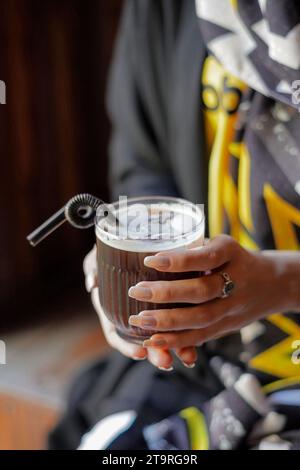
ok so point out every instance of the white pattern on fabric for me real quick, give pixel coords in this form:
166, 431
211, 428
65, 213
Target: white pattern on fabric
252, 43
107, 430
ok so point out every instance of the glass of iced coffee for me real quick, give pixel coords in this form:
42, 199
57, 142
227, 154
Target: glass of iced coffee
145, 227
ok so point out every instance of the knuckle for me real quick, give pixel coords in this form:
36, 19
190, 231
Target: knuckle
196, 291
184, 260
213, 255
165, 292
173, 340
167, 320
229, 242
191, 257
204, 319
180, 262
224, 238
171, 321
203, 289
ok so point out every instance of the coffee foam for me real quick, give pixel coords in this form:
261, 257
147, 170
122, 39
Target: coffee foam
152, 228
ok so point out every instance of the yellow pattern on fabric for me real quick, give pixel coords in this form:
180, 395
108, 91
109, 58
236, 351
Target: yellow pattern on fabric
277, 359
280, 384
229, 199
197, 429
282, 216
221, 95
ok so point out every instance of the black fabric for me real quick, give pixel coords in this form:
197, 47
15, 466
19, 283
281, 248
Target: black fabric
117, 384
157, 145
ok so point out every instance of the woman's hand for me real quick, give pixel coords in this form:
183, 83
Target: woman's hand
160, 358
263, 285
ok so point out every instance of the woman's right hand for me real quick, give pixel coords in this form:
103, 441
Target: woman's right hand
160, 358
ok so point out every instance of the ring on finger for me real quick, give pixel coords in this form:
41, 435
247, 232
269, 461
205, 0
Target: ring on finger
228, 286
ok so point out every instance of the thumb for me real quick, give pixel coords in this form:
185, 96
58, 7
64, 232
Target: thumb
90, 270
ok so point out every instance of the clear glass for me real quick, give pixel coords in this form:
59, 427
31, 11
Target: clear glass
146, 226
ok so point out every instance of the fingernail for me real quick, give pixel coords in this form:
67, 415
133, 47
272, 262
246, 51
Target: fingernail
148, 322
166, 369
139, 358
140, 321
189, 366
138, 292
157, 262
143, 320
156, 343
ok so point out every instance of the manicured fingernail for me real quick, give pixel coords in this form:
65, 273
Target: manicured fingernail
157, 262
155, 343
189, 366
148, 322
140, 293
135, 358
165, 369
141, 321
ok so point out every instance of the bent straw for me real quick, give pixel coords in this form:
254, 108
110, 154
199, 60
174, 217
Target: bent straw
80, 212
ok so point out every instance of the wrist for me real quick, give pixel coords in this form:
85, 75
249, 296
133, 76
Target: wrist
285, 278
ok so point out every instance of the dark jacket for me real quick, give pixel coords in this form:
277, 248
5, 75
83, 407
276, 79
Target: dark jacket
154, 102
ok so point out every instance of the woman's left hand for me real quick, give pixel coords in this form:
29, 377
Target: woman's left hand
258, 292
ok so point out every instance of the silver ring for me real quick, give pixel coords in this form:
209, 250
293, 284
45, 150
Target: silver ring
228, 286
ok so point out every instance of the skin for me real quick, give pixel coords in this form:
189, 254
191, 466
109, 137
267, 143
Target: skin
266, 282
159, 357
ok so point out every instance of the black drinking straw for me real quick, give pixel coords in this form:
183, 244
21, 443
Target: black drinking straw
80, 212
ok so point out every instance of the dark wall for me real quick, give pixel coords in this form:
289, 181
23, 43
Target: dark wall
54, 57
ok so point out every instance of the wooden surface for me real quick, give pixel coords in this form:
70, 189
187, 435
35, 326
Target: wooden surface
24, 424
42, 361
55, 56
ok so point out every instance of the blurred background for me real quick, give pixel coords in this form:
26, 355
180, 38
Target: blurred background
54, 59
